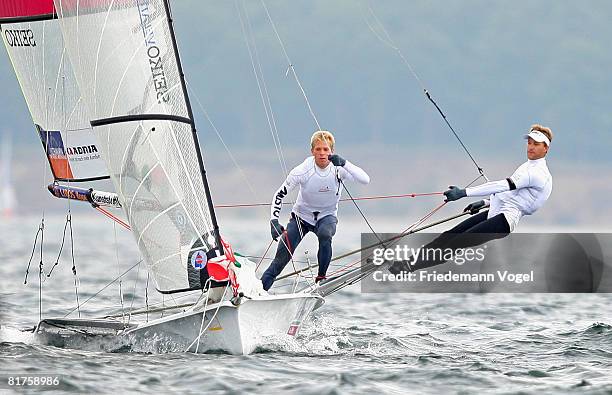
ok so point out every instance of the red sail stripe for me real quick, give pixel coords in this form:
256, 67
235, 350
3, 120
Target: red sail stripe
25, 8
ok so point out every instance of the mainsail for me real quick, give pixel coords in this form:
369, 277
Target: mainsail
33, 40
126, 63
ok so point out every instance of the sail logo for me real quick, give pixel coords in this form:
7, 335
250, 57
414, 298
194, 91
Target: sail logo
198, 260
278, 201
160, 83
85, 149
54, 147
20, 38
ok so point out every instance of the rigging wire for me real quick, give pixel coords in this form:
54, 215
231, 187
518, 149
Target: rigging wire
106, 286
74, 269
68, 226
133, 294
387, 40
361, 212
147, 294
249, 40
121, 300
291, 65
214, 127
69, 203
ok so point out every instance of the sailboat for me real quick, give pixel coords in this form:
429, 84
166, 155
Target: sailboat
105, 87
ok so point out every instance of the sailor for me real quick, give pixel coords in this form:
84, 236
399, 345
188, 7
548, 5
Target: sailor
315, 210
523, 193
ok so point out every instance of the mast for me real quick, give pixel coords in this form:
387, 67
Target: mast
194, 133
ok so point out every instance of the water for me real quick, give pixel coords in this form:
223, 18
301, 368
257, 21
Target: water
356, 343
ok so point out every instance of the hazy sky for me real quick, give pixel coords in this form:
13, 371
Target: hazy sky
494, 67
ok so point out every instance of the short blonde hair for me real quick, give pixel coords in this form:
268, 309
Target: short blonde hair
544, 130
323, 136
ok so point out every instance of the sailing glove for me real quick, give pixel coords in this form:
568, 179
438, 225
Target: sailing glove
337, 160
474, 207
454, 193
276, 229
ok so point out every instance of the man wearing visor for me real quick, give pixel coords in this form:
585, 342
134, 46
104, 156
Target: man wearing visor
523, 193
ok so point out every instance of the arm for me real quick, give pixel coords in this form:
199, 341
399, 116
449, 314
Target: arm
277, 199
354, 173
491, 187
523, 177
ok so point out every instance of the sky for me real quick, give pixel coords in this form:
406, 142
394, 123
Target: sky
493, 67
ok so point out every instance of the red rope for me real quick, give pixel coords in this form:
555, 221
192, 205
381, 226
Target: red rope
411, 195
111, 216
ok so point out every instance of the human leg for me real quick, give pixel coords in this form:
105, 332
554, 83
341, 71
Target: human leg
287, 243
325, 230
444, 240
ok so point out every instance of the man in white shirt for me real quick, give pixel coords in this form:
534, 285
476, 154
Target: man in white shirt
316, 207
523, 193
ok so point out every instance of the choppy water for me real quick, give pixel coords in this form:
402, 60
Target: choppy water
356, 343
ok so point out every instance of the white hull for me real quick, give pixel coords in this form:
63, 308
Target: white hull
234, 329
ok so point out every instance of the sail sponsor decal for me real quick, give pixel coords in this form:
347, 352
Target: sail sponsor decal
105, 198
72, 193
198, 259
278, 200
83, 153
154, 53
20, 37
54, 148
293, 328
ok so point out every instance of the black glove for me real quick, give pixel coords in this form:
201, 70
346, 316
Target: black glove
276, 229
474, 207
454, 193
337, 160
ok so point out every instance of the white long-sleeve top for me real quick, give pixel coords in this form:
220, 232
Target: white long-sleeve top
319, 189
523, 193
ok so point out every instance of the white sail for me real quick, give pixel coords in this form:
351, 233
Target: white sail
33, 40
126, 65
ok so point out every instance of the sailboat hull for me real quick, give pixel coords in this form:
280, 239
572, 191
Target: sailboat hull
235, 329
229, 328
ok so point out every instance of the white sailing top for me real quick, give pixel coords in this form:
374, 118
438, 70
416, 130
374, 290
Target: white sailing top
319, 189
521, 194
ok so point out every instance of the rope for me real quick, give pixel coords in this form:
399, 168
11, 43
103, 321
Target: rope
111, 216
40, 229
387, 40
264, 255
68, 220
209, 322
106, 286
379, 197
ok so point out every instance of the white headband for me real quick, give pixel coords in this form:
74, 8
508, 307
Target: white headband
538, 136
